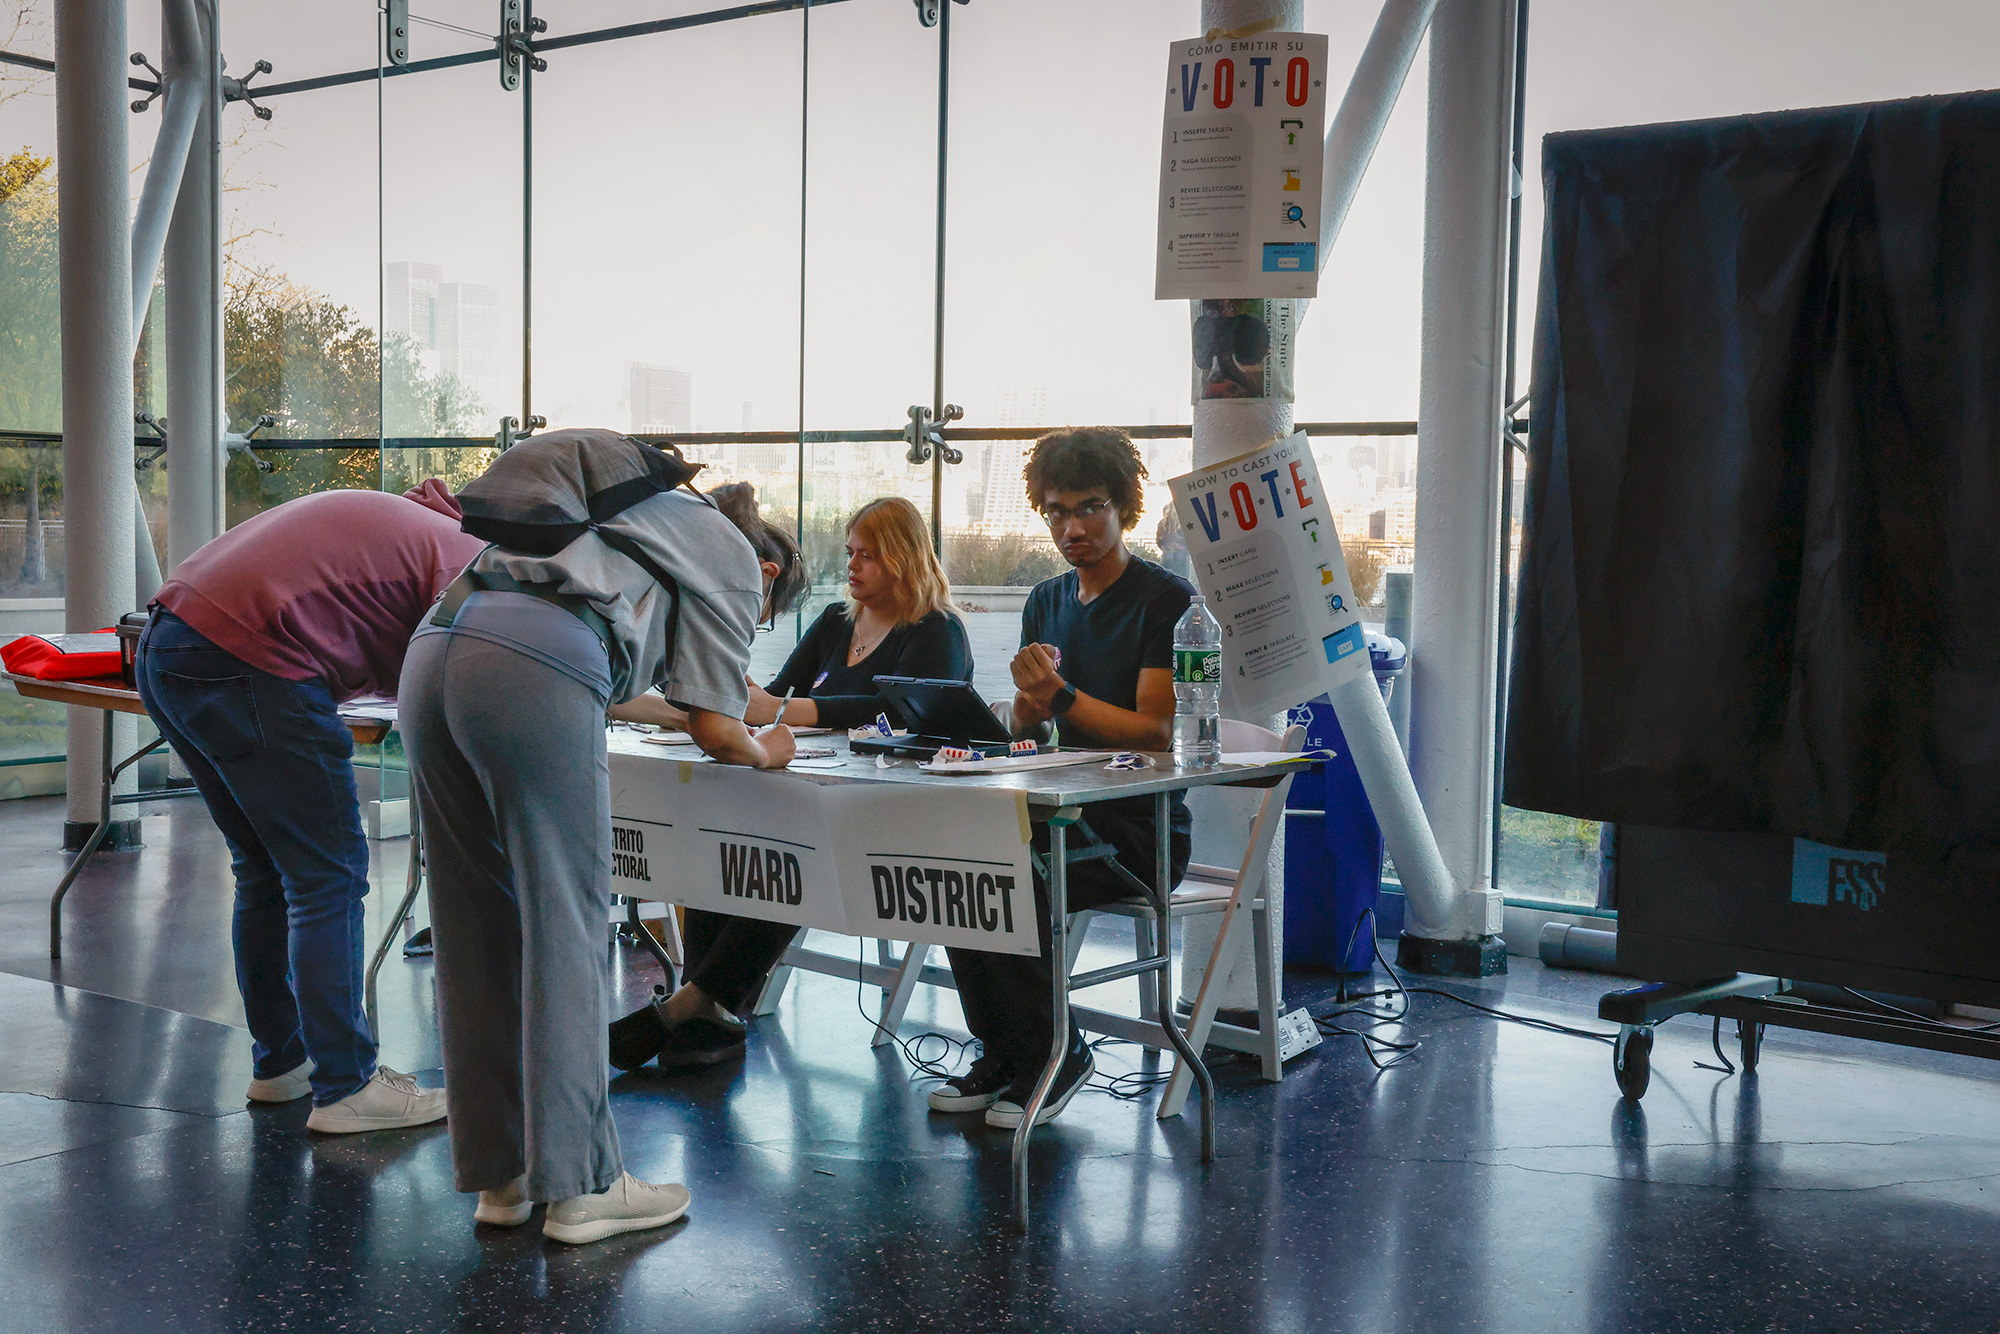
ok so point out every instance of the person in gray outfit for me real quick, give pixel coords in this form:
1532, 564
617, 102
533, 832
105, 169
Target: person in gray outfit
502, 708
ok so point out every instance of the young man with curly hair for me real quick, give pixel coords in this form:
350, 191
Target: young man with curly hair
1096, 659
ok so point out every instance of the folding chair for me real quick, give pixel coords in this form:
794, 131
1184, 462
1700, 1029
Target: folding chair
1225, 819
897, 977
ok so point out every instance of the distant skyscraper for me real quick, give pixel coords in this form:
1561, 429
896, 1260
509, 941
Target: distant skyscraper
661, 399
1004, 498
1396, 460
468, 338
454, 327
409, 302
748, 415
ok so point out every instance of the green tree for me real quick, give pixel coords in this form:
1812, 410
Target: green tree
314, 365
30, 316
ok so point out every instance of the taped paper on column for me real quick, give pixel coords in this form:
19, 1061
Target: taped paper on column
1240, 166
1243, 349
726, 839
943, 867
1268, 558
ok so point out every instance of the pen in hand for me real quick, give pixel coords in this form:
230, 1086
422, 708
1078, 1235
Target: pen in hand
782, 704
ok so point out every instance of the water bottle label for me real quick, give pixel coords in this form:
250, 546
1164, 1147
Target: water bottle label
1195, 666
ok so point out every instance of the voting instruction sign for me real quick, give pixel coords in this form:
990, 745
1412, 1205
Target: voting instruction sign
1268, 558
1240, 166
944, 866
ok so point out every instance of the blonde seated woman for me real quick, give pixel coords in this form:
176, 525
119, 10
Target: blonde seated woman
898, 620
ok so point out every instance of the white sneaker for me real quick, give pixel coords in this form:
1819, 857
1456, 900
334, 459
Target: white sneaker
508, 1206
389, 1101
1070, 1079
294, 1084
630, 1205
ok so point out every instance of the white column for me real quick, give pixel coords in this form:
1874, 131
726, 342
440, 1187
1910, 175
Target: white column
194, 294
1224, 428
96, 271
1456, 597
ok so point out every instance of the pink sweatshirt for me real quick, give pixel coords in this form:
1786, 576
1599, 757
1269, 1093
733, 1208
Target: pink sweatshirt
329, 585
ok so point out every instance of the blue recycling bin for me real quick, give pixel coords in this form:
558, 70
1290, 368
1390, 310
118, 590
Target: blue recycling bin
1333, 847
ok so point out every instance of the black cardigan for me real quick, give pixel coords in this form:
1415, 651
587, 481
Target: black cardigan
934, 647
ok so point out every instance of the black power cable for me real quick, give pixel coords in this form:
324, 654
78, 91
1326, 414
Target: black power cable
939, 1067
1405, 1050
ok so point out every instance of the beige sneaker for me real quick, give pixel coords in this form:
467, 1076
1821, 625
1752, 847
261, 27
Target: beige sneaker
629, 1205
294, 1084
389, 1101
508, 1206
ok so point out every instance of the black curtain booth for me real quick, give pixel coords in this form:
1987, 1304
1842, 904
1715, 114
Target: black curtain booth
1760, 589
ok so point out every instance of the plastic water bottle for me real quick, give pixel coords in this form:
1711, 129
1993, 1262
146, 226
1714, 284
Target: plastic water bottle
1197, 687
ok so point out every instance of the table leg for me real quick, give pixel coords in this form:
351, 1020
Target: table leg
1164, 978
111, 772
1058, 876
650, 941
412, 882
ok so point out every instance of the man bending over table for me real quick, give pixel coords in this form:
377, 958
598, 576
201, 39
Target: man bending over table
252, 644
1096, 659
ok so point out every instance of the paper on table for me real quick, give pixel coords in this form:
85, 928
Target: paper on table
1013, 764
683, 739
1271, 756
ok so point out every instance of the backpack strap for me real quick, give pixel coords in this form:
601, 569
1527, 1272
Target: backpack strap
635, 553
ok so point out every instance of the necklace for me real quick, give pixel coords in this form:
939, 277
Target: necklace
857, 651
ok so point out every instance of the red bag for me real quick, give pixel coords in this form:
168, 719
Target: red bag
63, 657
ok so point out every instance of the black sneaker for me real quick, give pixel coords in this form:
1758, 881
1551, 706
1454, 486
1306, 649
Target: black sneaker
706, 1039
1076, 1071
978, 1088
637, 1038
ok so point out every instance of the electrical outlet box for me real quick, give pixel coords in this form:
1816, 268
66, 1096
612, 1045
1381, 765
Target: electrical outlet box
1296, 1033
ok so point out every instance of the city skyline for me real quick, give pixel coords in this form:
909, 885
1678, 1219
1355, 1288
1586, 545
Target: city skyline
455, 326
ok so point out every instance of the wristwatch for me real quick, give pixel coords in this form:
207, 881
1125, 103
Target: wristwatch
1063, 700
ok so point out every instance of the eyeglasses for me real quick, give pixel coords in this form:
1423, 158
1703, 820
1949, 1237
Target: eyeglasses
1088, 510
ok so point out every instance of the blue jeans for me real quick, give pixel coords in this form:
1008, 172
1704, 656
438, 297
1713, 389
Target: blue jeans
276, 767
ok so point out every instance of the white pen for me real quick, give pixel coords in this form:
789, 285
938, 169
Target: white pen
782, 704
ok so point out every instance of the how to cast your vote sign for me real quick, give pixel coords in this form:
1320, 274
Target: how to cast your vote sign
1240, 164
1268, 558
940, 866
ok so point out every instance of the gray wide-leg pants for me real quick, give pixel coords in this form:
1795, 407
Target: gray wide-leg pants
508, 769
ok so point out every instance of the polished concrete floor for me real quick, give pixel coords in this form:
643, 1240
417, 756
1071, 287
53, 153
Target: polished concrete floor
1492, 1182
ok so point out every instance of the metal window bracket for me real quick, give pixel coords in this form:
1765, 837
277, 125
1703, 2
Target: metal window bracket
234, 443
239, 90
924, 435
399, 32
511, 434
1510, 424
158, 426
929, 10
517, 45
159, 82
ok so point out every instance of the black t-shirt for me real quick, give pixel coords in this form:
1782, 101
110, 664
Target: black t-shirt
1107, 641
934, 647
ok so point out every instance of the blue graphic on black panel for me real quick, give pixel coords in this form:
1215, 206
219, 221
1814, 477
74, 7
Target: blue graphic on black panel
1342, 643
1824, 876
1292, 257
